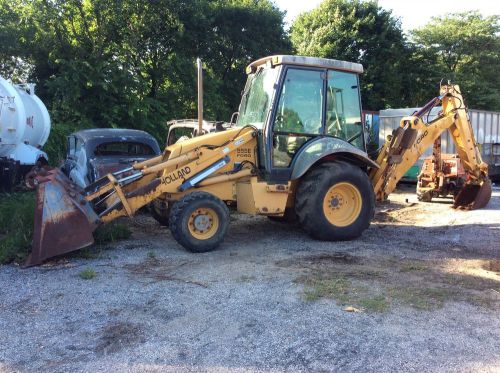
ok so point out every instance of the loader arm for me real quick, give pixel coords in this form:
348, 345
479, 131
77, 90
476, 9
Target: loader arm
414, 136
200, 162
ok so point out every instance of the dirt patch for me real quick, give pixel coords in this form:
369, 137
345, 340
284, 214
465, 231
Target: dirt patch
376, 284
156, 270
153, 268
321, 260
117, 336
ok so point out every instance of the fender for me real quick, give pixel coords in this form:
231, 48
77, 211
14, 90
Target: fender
321, 147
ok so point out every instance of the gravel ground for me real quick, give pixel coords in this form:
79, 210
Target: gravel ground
154, 307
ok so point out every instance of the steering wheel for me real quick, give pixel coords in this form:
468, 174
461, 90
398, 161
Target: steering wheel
311, 125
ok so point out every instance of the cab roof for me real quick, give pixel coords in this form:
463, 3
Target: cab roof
326, 63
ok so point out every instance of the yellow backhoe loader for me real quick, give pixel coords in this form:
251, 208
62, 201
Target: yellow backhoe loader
297, 148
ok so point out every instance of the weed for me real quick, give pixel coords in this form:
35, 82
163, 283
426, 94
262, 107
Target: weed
87, 274
151, 255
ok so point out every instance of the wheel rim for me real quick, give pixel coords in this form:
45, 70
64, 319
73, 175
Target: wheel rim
203, 223
342, 204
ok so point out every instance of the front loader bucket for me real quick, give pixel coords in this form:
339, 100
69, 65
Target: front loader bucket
474, 196
64, 220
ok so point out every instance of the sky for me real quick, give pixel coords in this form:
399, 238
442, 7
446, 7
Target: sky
413, 13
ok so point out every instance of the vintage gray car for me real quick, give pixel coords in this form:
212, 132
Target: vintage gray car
94, 153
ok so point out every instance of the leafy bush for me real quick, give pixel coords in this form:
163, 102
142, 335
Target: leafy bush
16, 225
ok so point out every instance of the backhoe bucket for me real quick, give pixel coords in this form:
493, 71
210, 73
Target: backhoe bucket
64, 220
474, 196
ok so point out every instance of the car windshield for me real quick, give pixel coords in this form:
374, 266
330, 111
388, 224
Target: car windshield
132, 149
257, 97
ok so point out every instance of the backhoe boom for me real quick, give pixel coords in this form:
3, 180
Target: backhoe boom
414, 136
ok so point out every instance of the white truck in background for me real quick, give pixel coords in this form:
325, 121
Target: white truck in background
24, 129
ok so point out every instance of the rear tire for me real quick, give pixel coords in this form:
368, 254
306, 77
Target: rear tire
335, 201
199, 221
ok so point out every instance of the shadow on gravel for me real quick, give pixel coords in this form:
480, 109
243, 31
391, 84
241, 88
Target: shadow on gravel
156, 270
117, 336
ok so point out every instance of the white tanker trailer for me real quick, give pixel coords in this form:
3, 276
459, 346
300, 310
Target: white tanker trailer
24, 129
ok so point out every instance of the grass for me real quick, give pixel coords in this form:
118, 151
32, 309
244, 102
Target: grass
17, 212
16, 225
376, 304
413, 266
424, 298
345, 292
376, 285
87, 274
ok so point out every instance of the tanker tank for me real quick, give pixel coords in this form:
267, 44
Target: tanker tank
24, 129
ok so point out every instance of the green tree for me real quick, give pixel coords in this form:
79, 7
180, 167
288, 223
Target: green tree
466, 47
242, 31
128, 63
358, 31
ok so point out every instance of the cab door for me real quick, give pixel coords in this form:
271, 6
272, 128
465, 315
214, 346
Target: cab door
343, 108
298, 117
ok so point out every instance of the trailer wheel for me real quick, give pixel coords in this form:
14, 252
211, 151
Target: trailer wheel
199, 221
335, 201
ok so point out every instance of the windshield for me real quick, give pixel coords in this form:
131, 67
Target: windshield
123, 149
257, 97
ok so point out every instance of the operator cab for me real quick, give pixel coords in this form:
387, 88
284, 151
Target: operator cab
294, 102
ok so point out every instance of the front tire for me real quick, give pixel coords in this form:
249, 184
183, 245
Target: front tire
335, 201
199, 221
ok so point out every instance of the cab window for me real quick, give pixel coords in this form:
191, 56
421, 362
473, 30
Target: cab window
298, 115
343, 111
180, 132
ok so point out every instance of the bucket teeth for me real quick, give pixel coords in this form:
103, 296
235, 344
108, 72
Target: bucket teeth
64, 220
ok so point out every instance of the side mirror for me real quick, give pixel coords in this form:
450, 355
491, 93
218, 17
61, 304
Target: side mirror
234, 117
